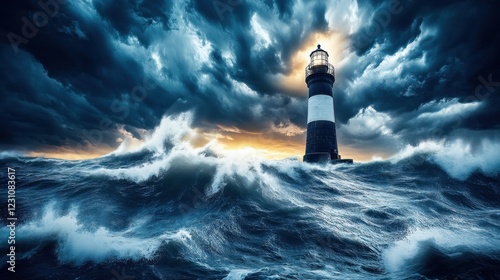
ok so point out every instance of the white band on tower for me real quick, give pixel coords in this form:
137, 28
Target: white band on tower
320, 108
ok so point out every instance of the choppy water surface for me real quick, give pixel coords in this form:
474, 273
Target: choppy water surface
170, 211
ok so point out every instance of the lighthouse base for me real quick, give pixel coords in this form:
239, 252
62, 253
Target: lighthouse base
345, 160
324, 158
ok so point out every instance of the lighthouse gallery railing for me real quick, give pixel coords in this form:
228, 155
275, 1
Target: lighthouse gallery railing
328, 68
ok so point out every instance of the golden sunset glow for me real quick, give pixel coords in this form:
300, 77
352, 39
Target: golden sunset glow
265, 146
278, 143
333, 42
70, 154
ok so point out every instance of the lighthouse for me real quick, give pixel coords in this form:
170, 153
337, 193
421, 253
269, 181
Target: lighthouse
321, 141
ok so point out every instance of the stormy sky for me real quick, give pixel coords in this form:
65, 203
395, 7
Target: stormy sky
79, 77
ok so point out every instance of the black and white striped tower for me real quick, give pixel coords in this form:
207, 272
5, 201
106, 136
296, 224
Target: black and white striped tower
321, 142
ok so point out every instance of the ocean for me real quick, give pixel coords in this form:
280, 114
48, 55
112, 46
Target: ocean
168, 210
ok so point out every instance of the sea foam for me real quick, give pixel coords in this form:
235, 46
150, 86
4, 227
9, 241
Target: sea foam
77, 244
456, 157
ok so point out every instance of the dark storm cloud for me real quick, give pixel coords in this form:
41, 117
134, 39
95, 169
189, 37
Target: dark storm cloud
76, 82
253, 67
132, 18
459, 53
84, 64
38, 111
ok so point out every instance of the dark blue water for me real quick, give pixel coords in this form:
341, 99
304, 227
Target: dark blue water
171, 211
